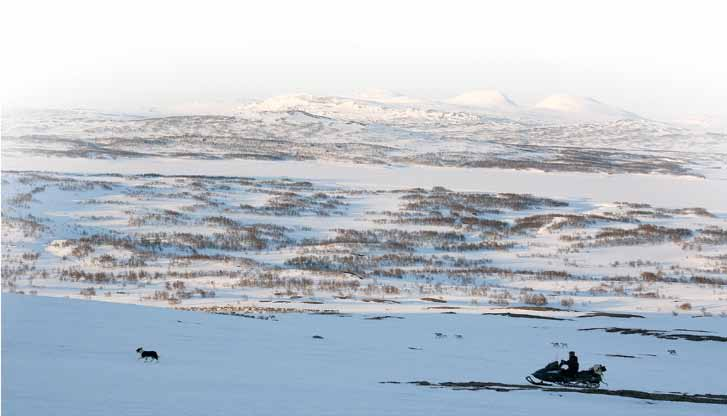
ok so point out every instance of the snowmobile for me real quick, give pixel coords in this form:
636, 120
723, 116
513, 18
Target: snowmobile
552, 373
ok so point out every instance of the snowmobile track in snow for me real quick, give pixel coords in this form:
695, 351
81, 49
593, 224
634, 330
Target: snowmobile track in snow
635, 394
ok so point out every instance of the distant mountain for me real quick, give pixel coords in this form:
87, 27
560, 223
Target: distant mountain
582, 109
386, 96
387, 107
379, 108
488, 99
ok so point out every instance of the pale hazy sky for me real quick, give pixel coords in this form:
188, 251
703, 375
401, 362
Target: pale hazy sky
657, 58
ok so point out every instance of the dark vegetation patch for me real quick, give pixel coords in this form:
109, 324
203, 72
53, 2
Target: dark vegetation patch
659, 334
694, 330
29, 225
646, 210
393, 239
556, 159
609, 315
523, 315
466, 211
377, 300
538, 308
157, 217
288, 203
561, 221
389, 264
712, 236
702, 280
642, 234
381, 318
329, 312
436, 300
234, 238
466, 204
635, 394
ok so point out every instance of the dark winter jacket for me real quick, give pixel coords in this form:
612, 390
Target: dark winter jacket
572, 365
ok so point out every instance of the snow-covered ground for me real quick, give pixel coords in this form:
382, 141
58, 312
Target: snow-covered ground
71, 357
302, 215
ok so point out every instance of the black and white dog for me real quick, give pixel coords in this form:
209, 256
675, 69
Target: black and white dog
147, 354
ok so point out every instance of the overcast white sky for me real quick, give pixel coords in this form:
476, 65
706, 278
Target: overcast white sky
657, 58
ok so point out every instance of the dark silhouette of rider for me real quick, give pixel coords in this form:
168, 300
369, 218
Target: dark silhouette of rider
572, 364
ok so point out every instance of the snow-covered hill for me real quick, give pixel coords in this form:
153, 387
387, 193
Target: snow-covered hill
583, 109
368, 108
485, 99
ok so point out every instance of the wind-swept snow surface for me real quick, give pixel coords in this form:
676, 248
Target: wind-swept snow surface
70, 357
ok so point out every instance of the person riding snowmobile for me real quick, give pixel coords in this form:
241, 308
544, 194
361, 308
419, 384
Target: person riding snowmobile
556, 372
572, 364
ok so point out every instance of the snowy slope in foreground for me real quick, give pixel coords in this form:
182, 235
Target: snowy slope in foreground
77, 358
